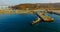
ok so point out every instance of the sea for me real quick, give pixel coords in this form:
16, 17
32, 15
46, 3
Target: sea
21, 23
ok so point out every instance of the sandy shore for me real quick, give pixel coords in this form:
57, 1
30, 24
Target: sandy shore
10, 11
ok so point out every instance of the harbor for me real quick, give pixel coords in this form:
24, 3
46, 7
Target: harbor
42, 16
36, 18
40, 13
22, 23
29, 15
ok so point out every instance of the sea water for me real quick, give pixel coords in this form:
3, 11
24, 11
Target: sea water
21, 23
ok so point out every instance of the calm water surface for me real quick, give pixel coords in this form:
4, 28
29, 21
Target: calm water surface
21, 23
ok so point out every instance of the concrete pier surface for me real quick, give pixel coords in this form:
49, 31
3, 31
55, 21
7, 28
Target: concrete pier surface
42, 17
36, 21
45, 18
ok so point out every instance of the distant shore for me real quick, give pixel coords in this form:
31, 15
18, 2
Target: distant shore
54, 11
11, 11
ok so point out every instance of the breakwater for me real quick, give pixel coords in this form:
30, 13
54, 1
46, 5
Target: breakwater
57, 12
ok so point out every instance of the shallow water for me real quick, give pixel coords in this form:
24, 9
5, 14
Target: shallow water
21, 23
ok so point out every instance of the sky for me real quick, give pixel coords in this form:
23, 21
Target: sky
16, 2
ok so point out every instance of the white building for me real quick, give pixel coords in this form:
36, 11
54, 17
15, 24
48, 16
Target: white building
3, 7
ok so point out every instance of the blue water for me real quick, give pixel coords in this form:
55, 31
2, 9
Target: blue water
21, 23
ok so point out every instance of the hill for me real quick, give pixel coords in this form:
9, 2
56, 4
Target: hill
30, 6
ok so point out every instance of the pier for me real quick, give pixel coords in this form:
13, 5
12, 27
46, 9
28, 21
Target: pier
45, 18
42, 17
38, 20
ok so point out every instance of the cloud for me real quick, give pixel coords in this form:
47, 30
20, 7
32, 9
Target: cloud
2, 2
14, 2
55, 1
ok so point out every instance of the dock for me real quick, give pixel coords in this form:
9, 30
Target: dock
42, 17
36, 21
45, 18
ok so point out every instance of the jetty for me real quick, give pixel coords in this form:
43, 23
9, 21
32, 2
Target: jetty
57, 12
36, 21
45, 18
42, 17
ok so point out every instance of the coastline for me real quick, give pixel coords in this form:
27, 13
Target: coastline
54, 12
